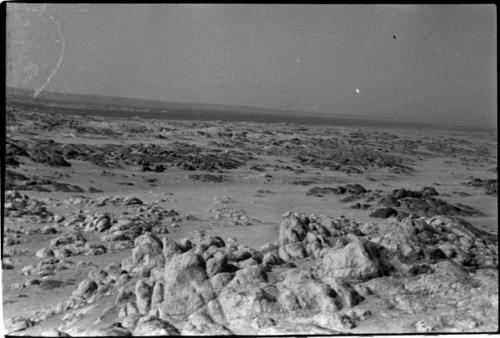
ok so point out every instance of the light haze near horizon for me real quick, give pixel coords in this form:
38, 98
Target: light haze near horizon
410, 63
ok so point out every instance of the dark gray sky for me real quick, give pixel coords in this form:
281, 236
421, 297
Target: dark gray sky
420, 63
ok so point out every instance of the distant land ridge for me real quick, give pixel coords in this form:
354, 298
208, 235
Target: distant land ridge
89, 104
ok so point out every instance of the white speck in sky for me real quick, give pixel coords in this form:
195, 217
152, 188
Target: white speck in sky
358, 91
298, 60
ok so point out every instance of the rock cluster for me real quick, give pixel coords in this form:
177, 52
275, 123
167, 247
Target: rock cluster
229, 216
402, 202
438, 238
352, 189
320, 276
490, 186
19, 205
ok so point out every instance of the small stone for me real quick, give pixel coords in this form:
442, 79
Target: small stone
49, 230
44, 253
58, 218
85, 288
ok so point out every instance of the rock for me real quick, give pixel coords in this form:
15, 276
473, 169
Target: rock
358, 259
211, 251
218, 263
143, 294
246, 263
68, 238
423, 326
436, 254
200, 323
18, 324
54, 333
63, 252
355, 188
114, 330
50, 154
170, 247
85, 288
252, 275
300, 291
220, 280
154, 326
158, 292
93, 190
246, 303
292, 251
384, 213
148, 252
452, 272
129, 310
49, 230
211, 241
321, 191
187, 287
44, 253
429, 191
347, 295
130, 321
130, 200
185, 244
103, 224
239, 255
269, 247
26, 270
292, 229
271, 259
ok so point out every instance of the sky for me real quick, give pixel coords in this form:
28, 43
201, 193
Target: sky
410, 63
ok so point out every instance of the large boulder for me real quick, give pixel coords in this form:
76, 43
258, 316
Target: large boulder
186, 286
293, 229
359, 259
148, 252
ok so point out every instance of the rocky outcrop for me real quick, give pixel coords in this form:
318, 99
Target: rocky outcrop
359, 259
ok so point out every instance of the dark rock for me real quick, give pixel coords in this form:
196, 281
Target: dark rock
429, 191
384, 213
